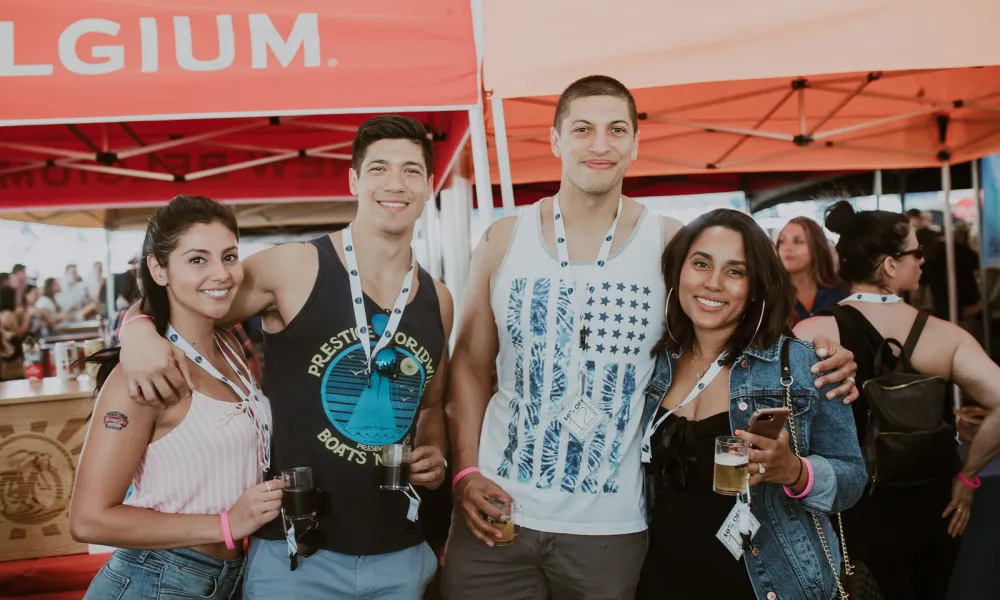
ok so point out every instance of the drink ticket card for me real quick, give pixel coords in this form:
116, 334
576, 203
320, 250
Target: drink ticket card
581, 418
729, 533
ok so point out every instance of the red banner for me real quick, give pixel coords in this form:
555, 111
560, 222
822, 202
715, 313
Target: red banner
104, 60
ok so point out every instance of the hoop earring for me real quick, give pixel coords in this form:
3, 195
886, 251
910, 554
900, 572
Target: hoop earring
763, 306
666, 316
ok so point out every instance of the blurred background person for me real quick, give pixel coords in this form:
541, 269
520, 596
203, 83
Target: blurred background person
908, 537
805, 254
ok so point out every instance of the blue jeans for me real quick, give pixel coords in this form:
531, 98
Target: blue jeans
399, 575
155, 574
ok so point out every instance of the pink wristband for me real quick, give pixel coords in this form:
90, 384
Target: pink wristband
227, 533
969, 484
129, 320
809, 483
461, 474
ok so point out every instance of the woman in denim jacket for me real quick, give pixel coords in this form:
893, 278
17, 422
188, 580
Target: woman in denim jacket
727, 310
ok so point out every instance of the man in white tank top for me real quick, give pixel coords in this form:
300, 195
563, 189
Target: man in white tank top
566, 301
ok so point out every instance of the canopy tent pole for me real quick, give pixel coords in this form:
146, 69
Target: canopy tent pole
456, 209
503, 158
481, 166
877, 189
109, 278
432, 237
949, 242
949, 246
985, 302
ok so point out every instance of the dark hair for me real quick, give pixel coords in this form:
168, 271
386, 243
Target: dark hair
595, 85
391, 127
4, 278
915, 213
7, 299
866, 239
18, 268
165, 228
27, 289
47, 287
822, 270
930, 242
770, 288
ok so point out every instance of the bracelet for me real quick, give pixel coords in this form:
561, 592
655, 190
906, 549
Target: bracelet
802, 466
227, 533
969, 484
809, 484
129, 320
461, 474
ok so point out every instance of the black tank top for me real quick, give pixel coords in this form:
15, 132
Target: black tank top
326, 415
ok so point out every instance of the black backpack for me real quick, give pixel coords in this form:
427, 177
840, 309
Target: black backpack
911, 432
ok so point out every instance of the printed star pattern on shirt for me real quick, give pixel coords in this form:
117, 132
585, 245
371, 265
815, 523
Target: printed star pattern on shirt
628, 315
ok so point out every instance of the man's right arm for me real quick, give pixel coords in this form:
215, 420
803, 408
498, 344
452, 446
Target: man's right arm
471, 383
156, 371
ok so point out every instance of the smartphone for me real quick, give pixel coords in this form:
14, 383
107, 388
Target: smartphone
768, 422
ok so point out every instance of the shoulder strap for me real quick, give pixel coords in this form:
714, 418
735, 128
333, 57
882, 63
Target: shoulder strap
786, 369
855, 317
915, 331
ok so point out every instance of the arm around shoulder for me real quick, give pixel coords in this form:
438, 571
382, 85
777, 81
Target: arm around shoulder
834, 453
264, 273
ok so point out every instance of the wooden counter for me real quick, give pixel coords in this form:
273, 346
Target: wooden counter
42, 429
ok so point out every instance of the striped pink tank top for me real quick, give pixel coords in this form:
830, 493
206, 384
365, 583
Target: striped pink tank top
206, 462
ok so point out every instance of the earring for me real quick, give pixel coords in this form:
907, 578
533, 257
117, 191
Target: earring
666, 316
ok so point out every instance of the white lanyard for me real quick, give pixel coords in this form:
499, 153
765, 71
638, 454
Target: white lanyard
562, 252
360, 317
872, 298
703, 383
257, 416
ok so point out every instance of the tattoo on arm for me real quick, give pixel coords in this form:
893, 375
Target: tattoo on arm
486, 236
115, 420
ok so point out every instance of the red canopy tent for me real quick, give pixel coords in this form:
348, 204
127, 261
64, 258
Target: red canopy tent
731, 86
107, 103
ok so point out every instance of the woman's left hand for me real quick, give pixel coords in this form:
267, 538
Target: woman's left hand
771, 461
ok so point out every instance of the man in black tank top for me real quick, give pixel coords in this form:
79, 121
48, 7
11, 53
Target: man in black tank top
335, 404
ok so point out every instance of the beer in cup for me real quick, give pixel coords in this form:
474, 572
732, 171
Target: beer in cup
731, 466
506, 526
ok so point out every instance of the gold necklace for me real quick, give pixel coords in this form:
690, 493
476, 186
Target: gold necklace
695, 360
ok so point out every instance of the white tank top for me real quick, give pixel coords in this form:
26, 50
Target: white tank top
561, 484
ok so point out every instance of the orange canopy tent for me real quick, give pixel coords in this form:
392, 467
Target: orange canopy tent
731, 86
128, 103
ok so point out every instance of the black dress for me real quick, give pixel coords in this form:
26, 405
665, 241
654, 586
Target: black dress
899, 535
685, 559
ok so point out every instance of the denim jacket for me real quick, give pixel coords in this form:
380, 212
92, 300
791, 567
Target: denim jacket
786, 556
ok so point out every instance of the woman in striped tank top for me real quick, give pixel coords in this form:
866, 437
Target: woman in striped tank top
197, 466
